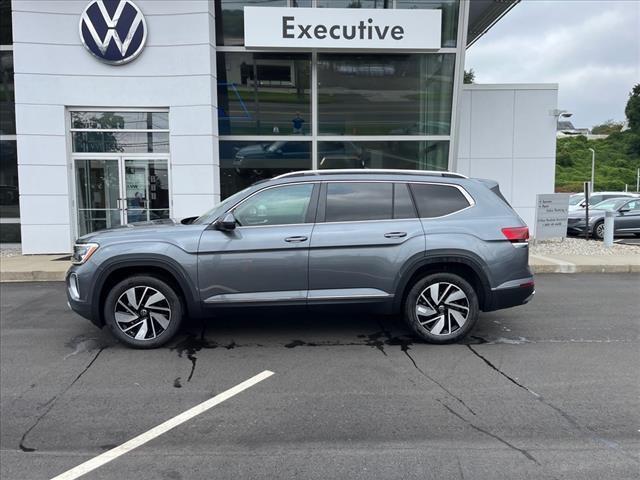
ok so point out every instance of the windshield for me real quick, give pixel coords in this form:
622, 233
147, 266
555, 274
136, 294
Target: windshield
215, 212
575, 199
611, 204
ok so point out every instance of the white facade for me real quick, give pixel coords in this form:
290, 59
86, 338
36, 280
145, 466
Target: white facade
507, 133
54, 72
504, 132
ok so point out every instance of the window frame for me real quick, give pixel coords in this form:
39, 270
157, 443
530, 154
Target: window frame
311, 210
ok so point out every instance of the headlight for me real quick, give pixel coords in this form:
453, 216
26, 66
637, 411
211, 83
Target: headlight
82, 252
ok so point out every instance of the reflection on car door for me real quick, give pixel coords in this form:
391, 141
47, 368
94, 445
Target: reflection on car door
265, 259
364, 234
629, 221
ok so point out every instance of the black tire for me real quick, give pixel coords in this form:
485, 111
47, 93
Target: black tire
144, 286
451, 334
598, 230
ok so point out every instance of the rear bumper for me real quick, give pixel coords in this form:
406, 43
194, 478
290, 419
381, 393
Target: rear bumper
512, 296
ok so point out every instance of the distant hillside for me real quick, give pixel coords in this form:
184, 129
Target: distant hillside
617, 161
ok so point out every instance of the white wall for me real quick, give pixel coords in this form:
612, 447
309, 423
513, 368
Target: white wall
53, 71
507, 133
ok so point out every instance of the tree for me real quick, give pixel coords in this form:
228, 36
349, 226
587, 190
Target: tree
607, 128
632, 110
470, 76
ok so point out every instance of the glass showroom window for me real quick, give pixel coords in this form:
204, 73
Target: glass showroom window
244, 163
9, 197
126, 132
405, 155
379, 94
264, 94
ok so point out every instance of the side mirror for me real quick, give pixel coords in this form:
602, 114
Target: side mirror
226, 223
624, 210
188, 220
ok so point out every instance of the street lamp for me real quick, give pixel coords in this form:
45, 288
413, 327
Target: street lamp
593, 167
560, 114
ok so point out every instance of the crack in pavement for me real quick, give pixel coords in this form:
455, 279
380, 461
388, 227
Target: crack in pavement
488, 433
586, 431
405, 347
51, 403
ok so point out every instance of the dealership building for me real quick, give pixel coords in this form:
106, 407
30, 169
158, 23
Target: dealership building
115, 111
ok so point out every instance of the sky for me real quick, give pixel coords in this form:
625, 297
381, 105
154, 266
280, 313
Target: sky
591, 48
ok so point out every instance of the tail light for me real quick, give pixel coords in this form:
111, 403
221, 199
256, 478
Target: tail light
516, 234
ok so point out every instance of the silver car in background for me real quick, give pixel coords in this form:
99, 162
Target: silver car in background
625, 221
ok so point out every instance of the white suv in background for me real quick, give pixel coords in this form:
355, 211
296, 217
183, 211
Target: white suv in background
576, 201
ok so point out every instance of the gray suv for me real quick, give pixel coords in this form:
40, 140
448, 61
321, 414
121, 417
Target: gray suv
434, 247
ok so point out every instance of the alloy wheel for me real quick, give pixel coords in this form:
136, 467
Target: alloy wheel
142, 313
442, 308
600, 230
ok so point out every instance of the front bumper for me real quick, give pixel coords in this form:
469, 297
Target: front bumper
78, 295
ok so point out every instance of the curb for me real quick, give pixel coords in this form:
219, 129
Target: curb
36, 276
572, 268
566, 267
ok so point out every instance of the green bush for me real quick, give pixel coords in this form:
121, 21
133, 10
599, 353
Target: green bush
617, 161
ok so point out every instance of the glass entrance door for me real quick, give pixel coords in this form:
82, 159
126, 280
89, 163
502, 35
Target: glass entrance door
119, 190
146, 189
98, 194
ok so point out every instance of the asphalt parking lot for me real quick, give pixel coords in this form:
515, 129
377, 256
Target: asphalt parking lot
549, 390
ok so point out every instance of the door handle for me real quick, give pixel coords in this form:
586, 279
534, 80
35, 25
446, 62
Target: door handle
296, 239
395, 234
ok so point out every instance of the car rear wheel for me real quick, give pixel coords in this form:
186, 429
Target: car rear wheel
441, 308
143, 311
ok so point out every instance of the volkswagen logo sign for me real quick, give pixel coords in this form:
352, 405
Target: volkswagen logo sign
114, 31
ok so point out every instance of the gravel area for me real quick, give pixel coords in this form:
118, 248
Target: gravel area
580, 246
10, 251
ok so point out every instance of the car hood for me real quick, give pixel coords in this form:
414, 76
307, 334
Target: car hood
152, 228
251, 150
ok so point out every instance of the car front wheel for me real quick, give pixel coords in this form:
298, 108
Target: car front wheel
441, 308
598, 230
143, 311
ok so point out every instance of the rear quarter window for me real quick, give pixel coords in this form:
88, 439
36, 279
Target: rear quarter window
438, 200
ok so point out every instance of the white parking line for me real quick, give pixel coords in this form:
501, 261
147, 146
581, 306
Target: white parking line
126, 447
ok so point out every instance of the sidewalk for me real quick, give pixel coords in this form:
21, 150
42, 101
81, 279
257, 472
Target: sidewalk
46, 268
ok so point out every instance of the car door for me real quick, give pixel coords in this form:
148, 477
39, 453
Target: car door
265, 258
364, 234
628, 218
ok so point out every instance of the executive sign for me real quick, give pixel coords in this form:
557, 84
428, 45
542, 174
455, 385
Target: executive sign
340, 28
114, 31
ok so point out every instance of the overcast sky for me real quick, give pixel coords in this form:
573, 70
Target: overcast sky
590, 48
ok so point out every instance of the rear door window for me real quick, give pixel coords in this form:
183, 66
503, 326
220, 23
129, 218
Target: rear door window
402, 203
357, 201
438, 200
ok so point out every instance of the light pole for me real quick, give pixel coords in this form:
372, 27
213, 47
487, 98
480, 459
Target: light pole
593, 167
560, 114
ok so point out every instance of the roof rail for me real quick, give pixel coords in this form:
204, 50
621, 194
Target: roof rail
368, 171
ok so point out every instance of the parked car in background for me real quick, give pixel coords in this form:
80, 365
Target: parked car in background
626, 220
576, 201
433, 247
